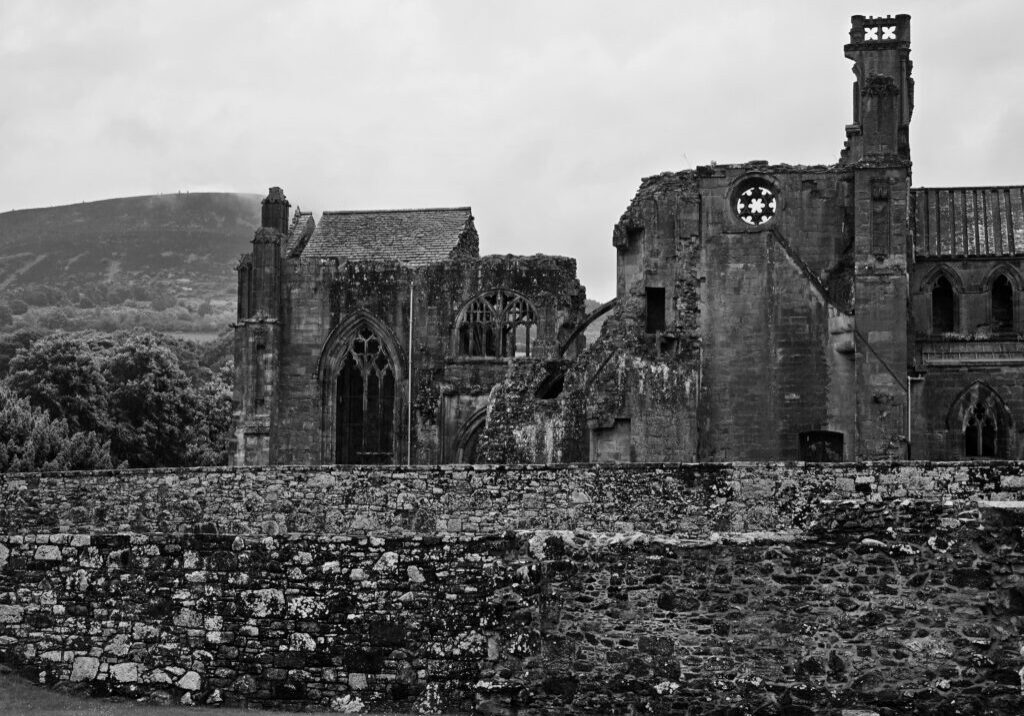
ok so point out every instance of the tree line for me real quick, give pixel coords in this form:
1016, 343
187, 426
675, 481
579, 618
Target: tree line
94, 400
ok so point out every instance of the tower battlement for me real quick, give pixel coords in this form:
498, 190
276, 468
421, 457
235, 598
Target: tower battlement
871, 30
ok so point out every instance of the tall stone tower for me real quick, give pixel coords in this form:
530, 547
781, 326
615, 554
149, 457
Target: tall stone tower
258, 334
878, 154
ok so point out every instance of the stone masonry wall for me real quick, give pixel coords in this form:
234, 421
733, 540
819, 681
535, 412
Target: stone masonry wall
339, 622
901, 610
689, 500
706, 589
894, 609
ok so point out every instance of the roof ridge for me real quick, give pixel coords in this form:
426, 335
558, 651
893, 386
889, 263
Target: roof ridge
397, 211
955, 188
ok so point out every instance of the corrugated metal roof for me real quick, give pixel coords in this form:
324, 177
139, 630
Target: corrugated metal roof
412, 236
968, 221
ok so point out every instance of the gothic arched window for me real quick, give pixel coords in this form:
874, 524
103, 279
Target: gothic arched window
981, 432
497, 324
1002, 305
943, 306
366, 402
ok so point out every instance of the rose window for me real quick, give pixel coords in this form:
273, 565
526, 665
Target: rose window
756, 203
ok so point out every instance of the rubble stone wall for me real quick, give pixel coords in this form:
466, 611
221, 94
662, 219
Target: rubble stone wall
682, 499
338, 622
786, 588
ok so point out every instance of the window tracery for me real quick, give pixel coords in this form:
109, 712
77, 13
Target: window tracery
366, 400
756, 202
981, 432
497, 324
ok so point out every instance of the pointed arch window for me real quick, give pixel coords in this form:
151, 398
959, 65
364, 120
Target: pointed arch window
944, 306
366, 402
497, 324
981, 432
983, 422
1002, 305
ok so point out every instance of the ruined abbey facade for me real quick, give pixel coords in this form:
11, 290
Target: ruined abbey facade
763, 312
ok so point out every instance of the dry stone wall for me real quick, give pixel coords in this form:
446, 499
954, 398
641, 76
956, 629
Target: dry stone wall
567, 589
340, 622
690, 500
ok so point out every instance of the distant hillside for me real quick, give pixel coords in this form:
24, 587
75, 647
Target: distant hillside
593, 331
164, 262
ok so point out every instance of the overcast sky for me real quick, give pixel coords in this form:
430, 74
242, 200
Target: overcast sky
543, 116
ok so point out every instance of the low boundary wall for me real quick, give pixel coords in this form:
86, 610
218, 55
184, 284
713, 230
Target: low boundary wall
679, 499
668, 589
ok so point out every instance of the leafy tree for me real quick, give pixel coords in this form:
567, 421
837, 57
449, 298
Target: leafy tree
207, 435
10, 343
30, 440
163, 302
151, 396
18, 307
61, 375
151, 403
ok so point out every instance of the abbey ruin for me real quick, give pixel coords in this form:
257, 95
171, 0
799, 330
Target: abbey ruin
763, 312
662, 532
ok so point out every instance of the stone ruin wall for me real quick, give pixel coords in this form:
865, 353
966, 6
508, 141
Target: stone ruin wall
573, 588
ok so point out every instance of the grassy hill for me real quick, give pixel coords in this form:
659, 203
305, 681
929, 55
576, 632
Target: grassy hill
162, 262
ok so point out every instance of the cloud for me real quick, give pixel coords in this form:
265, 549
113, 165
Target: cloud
542, 116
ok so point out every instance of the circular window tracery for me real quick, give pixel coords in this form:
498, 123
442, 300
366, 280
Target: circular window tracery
756, 202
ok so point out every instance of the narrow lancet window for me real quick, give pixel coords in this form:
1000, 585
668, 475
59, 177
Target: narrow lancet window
943, 306
655, 309
1002, 305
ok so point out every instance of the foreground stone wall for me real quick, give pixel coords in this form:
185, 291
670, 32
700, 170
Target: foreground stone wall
280, 622
679, 499
902, 608
912, 609
785, 589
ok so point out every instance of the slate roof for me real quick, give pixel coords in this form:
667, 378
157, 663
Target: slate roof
300, 230
968, 221
412, 236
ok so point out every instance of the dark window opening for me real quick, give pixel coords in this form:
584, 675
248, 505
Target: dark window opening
498, 325
881, 223
366, 403
245, 298
821, 446
552, 384
943, 306
259, 378
655, 309
1002, 305
981, 433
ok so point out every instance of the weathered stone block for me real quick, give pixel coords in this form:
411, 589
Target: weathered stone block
299, 641
190, 681
264, 602
47, 553
126, 672
85, 668
11, 614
